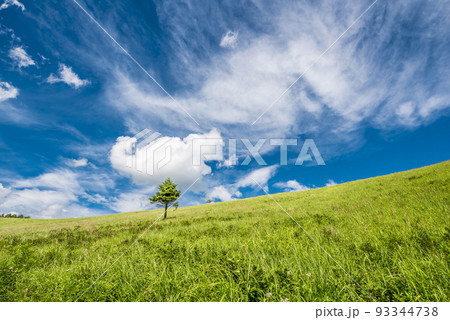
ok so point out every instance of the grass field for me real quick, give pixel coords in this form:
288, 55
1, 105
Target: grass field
390, 233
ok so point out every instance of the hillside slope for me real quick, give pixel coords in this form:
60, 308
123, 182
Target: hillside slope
390, 233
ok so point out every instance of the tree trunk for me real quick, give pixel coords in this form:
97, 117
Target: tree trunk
165, 212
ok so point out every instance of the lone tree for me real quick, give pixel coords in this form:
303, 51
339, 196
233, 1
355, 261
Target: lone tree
166, 196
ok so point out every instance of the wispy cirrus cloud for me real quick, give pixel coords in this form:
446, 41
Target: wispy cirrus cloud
367, 78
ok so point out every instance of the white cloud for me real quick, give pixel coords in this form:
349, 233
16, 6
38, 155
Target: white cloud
181, 168
221, 193
37, 203
4, 191
137, 200
56, 194
294, 185
434, 103
229, 39
291, 185
258, 178
95, 198
42, 57
77, 162
9, 3
7, 91
9, 112
66, 75
95, 180
20, 57
61, 180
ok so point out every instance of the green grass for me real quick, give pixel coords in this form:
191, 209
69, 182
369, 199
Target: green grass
390, 233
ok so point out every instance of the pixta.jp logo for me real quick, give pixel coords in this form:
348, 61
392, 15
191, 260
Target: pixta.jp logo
150, 151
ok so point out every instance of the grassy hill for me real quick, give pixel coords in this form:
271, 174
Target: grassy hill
390, 233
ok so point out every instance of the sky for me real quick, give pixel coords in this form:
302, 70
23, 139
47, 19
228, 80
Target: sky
360, 89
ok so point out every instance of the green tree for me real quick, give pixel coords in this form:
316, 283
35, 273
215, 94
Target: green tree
166, 196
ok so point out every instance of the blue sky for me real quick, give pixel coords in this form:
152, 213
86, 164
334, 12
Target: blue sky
375, 103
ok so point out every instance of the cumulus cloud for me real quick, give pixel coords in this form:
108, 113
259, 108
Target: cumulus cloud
20, 57
66, 75
221, 193
9, 3
56, 194
291, 185
7, 91
37, 203
166, 157
42, 197
229, 39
